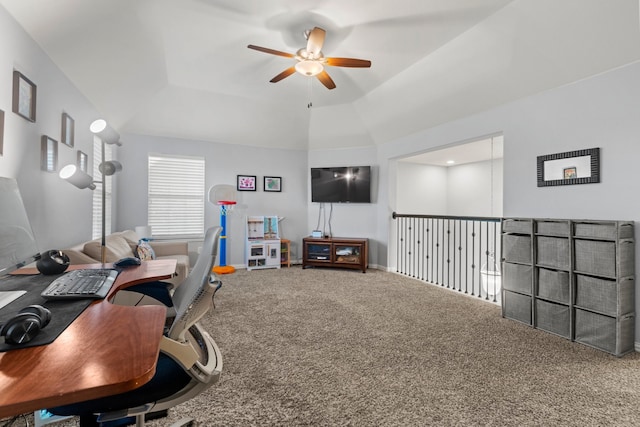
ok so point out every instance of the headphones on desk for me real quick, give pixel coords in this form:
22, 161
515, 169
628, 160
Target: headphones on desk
24, 326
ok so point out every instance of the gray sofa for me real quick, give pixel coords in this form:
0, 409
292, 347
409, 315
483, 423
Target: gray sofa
123, 244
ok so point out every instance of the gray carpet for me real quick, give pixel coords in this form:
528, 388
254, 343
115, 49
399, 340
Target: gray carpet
323, 347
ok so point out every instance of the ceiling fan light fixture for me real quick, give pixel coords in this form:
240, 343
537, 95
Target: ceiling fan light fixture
309, 68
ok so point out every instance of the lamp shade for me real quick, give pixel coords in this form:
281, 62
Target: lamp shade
102, 129
77, 177
309, 68
110, 167
144, 231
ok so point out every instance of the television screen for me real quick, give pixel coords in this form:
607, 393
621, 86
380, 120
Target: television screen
349, 184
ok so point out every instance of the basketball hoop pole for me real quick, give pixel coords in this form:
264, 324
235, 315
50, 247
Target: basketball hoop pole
223, 268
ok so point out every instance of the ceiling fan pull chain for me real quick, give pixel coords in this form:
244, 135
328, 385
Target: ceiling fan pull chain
309, 91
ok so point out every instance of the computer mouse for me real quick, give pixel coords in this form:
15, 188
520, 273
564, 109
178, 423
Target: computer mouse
127, 262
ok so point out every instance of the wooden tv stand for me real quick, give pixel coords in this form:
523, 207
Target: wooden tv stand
335, 252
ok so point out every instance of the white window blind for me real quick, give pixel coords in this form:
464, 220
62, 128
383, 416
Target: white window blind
97, 193
176, 196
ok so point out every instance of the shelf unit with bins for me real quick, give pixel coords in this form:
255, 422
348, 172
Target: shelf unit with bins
575, 279
517, 269
262, 243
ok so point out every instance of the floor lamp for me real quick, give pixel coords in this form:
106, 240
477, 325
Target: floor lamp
79, 178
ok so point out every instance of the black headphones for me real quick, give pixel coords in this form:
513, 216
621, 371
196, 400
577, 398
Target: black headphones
24, 326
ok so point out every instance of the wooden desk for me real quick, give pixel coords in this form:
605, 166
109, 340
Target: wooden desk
107, 350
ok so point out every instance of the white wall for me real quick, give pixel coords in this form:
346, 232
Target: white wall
60, 214
222, 163
421, 189
598, 112
473, 189
348, 219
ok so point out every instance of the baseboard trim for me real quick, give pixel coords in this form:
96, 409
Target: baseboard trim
637, 346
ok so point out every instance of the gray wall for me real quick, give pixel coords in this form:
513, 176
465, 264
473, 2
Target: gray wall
60, 214
222, 163
598, 112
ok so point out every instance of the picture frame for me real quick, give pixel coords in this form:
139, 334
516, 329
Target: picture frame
570, 172
1, 131
82, 161
569, 168
273, 183
48, 154
246, 183
24, 96
68, 130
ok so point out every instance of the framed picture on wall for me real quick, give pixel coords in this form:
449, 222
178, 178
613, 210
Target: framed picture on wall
272, 183
1, 130
83, 161
24, 96
49, 154
246, 183
67, 130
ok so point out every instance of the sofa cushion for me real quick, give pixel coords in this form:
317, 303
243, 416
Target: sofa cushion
117, 248
182, 268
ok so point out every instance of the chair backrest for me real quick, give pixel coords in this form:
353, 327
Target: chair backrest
194, 297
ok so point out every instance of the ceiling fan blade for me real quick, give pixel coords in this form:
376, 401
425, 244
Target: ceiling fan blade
282, 75
271, 51
348, 62
315, 41
326, 80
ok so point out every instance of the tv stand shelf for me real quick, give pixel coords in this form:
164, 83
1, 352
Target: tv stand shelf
335, 252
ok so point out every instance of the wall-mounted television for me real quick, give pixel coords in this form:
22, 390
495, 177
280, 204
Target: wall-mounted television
348, 184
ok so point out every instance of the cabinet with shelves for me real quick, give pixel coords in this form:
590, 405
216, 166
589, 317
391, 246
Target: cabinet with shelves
262, 243
579, 279
335, 252
517, 269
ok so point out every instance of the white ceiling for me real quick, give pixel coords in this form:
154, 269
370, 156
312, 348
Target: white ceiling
181, 68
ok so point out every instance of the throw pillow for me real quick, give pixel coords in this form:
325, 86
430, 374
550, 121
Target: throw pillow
145, 251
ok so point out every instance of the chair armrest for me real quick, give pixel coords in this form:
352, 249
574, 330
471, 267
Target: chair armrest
78, 257
170, 248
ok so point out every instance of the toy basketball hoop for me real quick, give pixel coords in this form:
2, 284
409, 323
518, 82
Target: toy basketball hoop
223, 195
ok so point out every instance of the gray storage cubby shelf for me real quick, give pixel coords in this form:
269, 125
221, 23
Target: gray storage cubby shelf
572, 278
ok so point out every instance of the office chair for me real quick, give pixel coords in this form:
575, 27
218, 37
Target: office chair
189, 360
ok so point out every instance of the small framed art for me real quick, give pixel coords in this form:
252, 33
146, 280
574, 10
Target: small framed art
24, 96
49, 154
272, 183
83, 161
1, 130
67, 130
246, 183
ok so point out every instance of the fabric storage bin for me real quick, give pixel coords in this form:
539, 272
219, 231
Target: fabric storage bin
611, 334
553, 228
604, 230
517, 277
553, 285
513, 225
516, 306
595, 257
552, 318
516, 248
553, 252
605, 296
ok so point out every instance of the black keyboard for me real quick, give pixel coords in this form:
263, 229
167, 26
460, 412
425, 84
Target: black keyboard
75, 284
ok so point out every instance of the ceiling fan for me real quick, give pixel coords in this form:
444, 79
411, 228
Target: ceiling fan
311, 60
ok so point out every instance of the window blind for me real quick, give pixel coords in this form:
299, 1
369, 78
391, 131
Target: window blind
97, 193
176, 196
